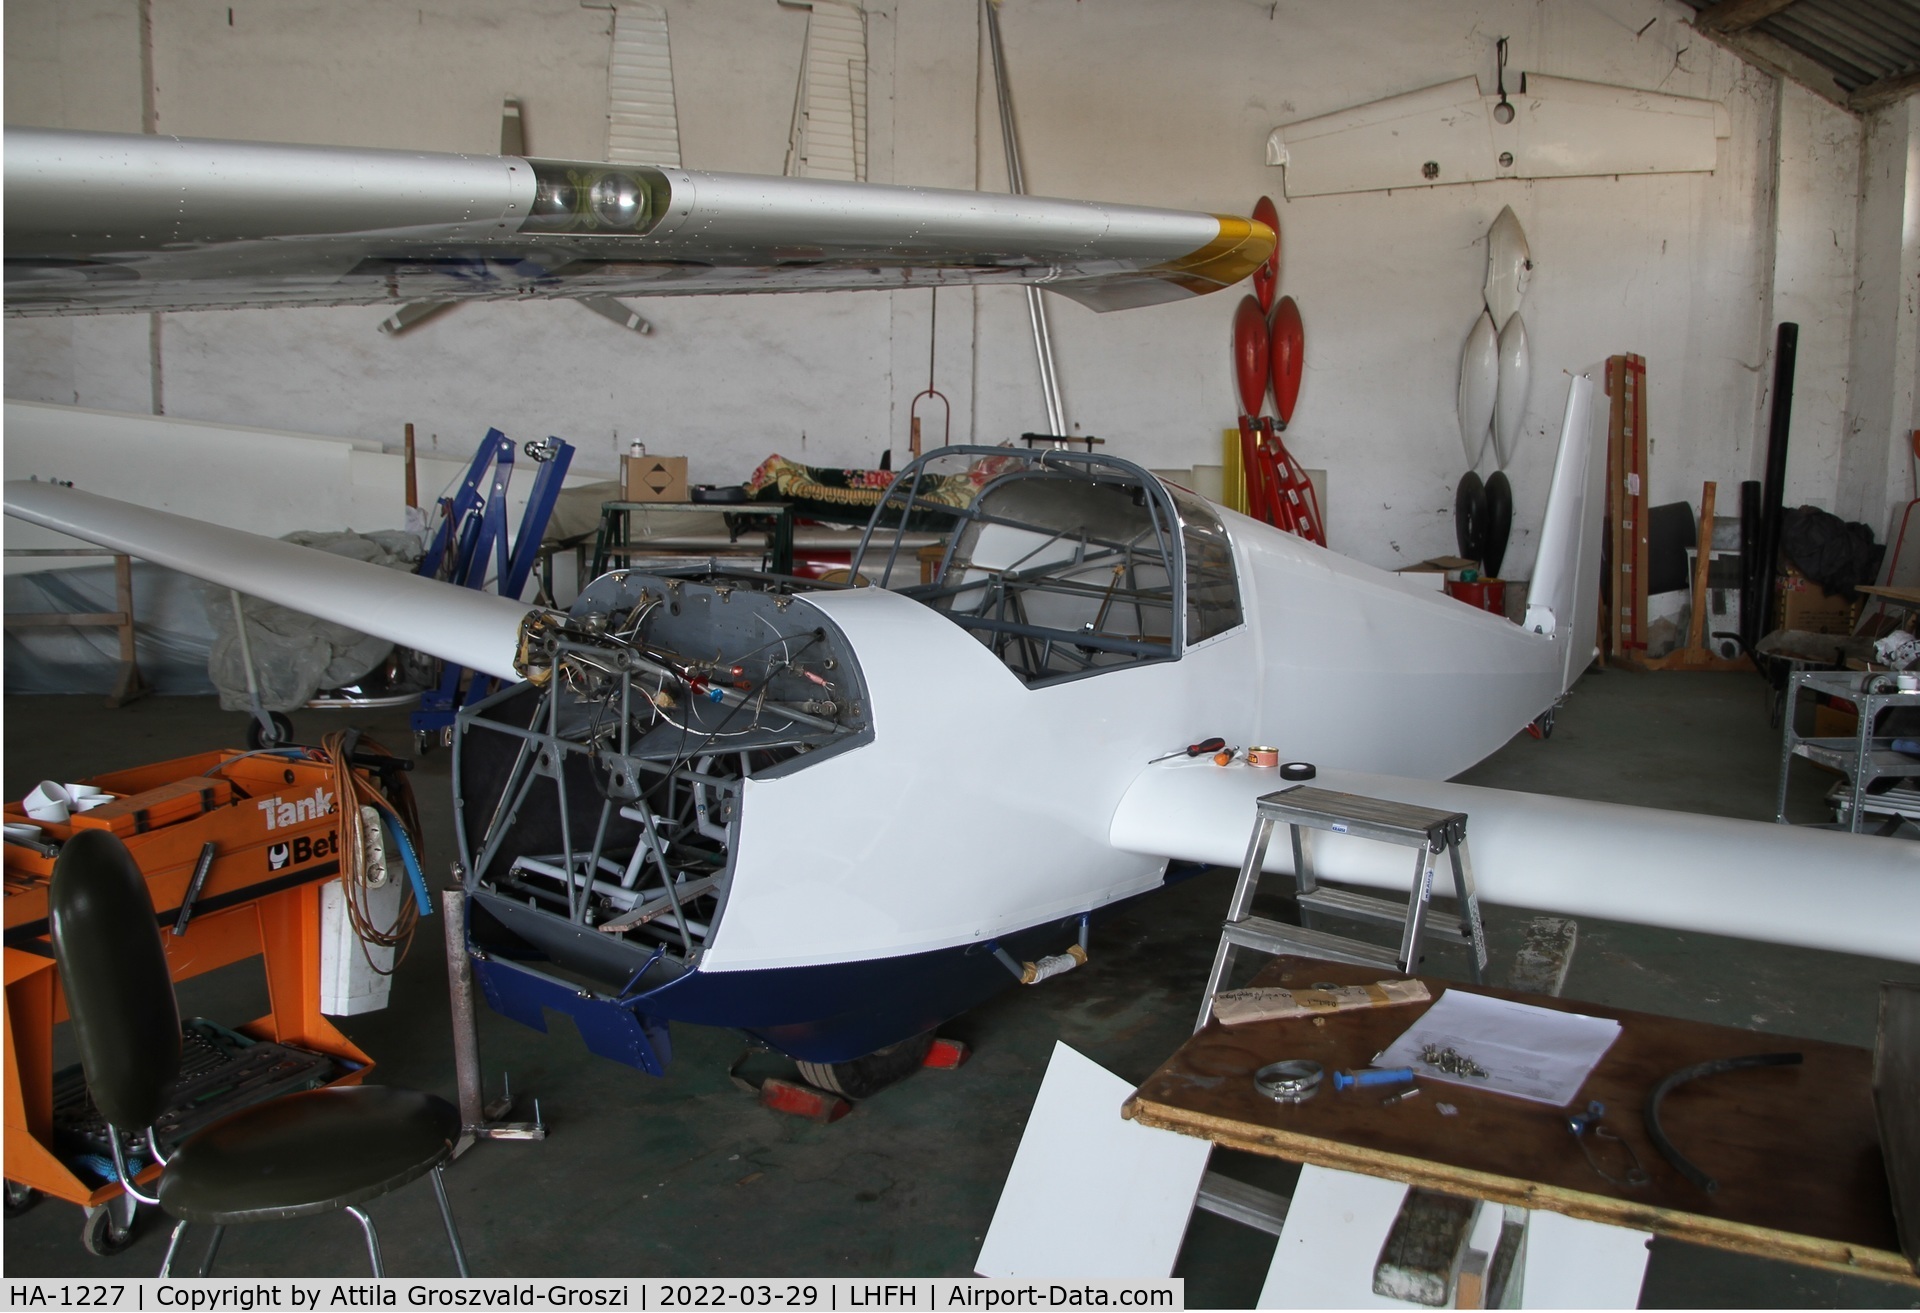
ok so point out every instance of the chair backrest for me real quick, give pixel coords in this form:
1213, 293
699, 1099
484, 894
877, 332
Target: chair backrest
114, 971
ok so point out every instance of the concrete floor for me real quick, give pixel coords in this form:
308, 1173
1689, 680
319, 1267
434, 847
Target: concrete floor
688, 1176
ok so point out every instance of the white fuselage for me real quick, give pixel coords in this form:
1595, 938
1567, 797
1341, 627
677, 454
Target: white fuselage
983, 806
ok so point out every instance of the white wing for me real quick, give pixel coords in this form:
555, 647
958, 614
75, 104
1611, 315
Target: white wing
1848, 893
107, 221
475, 629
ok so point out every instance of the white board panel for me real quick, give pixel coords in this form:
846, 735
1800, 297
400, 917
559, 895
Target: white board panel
1090, 1195
1576, 1264
1331, 1240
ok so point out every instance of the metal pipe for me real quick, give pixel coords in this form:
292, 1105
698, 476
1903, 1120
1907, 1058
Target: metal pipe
446, 1216
626, 898
246, 662
1785, 349
1017, 185
466, 1031
373, 1239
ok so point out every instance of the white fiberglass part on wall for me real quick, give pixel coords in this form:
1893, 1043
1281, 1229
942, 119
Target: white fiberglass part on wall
829, 137
1510, 397
1509, 267
1479, 387
643, 122
1451, 132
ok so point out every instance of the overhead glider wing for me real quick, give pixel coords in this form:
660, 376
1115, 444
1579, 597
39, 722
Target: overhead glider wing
108, 221
476, 629
1847, 893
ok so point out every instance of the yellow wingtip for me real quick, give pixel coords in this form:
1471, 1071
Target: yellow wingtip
1242, 246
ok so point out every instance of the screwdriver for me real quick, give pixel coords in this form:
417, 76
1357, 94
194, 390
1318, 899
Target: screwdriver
1195, 749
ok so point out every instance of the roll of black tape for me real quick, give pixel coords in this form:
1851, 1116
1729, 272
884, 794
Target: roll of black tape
1297, 770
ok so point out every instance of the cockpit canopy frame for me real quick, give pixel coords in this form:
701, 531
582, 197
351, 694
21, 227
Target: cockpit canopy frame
1065, 564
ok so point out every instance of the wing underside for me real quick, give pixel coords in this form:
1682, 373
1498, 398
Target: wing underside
113, 222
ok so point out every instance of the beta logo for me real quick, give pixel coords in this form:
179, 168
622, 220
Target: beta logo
282, 812
299, 851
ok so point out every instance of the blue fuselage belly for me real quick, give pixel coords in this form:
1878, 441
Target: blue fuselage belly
845, 1010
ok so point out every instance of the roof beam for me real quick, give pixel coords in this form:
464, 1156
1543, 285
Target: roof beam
1738, 15
1884, 92
1782, 60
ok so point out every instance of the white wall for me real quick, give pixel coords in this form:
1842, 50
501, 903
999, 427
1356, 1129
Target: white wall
1129, 100
1875, 469
259, 480
1813, 286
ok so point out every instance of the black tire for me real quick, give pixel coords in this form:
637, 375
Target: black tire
862, 1078
21, 1198
1470, 516
1544, 723
102, 1234
278, 737
1499, 523
424, 741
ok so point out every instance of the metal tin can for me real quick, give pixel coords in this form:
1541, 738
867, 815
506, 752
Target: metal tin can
1268, 757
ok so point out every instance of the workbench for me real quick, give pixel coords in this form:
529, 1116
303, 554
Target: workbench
616, 545
1795, 1149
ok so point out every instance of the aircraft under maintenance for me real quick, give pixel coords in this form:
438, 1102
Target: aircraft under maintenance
821, 814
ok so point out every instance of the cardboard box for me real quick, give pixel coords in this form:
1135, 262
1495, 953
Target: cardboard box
654, 478
1834, 722
1437, 570
1806, 606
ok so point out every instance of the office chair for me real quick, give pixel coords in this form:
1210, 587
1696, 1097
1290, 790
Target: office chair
292, 1156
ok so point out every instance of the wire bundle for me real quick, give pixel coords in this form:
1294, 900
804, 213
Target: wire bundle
355, 789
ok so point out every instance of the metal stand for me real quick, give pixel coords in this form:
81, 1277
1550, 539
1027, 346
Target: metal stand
476, 1116
1424, 829
471, 544
1863, 758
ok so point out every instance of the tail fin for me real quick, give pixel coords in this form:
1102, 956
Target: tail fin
1563, 599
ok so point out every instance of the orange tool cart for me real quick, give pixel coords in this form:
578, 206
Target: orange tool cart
267, 827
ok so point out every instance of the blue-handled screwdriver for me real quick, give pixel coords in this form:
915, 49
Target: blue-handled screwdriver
1348, 1080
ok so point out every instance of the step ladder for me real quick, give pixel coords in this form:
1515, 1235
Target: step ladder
1426, 830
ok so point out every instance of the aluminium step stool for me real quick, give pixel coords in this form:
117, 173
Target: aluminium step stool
1428, 831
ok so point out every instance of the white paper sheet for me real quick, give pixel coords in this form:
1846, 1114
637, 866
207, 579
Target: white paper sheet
1532, 1053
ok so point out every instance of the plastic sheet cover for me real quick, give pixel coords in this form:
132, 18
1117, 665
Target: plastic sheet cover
184, 634
294, 654
171, 635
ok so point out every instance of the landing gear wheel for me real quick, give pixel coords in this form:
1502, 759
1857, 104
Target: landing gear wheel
21, 1198
110, 1227
424, 741
863, 1078
278, 737
1542, 726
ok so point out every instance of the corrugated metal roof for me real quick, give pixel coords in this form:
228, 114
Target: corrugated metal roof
1866, 48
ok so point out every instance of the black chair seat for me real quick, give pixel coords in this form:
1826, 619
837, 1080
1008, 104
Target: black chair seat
308, 1153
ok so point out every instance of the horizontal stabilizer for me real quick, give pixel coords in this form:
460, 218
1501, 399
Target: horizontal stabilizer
1847, 893
474, 629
